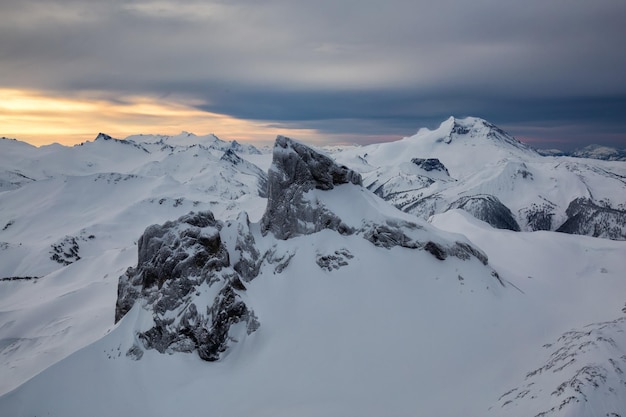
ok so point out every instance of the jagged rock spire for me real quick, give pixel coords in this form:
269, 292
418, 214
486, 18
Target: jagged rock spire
297, 169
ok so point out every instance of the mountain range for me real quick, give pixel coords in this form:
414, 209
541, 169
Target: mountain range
475, 166
593, 151
161, 275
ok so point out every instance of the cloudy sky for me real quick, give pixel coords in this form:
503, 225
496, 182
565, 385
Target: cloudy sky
551, 72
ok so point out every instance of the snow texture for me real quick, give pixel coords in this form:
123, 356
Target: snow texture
483, 170
234, 309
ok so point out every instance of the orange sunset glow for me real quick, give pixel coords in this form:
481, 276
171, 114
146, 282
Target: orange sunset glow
41, 118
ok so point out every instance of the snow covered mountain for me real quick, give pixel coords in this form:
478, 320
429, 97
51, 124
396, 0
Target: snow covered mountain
606, 153
73, 224
473, 165
192, 273
600, 152
186, 275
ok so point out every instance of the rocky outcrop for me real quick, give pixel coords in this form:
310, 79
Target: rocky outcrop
586, 217
404, 234
538, 216
430, 164
583, 376
183, 265
297, 169
191, 273
488, 209
246, 167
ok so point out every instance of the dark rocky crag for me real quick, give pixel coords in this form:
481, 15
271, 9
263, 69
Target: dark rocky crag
191, 273
231, 157
584, 373
296, 169
586, 217
488, 209
178, 261
430, 164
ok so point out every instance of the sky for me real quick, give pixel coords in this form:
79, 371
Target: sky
549, 72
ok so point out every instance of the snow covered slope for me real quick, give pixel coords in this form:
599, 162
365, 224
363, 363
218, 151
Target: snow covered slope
577, 349
322, 300
479, 168
386, 332
70, 230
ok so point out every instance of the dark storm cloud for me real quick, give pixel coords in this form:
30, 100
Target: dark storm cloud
338, 66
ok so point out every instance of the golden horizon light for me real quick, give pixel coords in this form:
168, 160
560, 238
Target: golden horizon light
41, 118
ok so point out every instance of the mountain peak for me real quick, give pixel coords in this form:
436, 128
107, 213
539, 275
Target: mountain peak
103, 136
309, 168
295, 170
471, 129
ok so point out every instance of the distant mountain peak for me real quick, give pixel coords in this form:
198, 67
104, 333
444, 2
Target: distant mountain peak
232, 157
103, 136
454, 129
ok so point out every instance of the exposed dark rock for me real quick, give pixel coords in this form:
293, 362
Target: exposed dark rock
183, 253
397, 195
103, 136
539, 217
9, 224
135, 352
178, 262
394, 234
191, 272
435, 250
466, 251
279, 260
584, 372
586, 217
297, 169
191, 246
389, 236
336, 260
246, 167
27, 278
458, 129
430, 164
249, 258
424, 207
65, 251
232, 157
488, 209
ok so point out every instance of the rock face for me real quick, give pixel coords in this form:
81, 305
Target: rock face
191, 273
539, 216
244, 166
585, 217
297, 169
183, 265
584, 373
430, 164
488, 209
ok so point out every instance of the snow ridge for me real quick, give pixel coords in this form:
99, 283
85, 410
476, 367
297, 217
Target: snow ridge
191, 272
584, 375
480, 163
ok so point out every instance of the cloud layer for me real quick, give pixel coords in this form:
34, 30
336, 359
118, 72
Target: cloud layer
340, 67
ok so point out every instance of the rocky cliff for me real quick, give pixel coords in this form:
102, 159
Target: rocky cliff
191, 273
